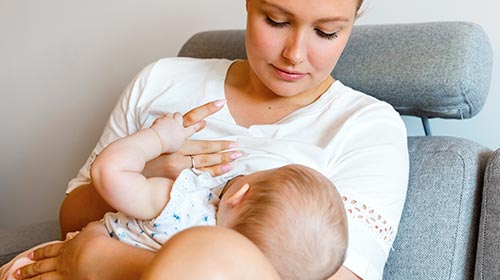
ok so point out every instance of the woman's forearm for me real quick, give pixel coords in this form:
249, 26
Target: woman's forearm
91, 254
80, 207
121, 261
101, 257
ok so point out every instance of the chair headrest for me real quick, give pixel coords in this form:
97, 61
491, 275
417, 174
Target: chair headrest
437, 69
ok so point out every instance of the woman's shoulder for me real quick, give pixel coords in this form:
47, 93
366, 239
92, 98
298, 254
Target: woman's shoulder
184, 65
359, 103
163, 73
355, 96
170, 70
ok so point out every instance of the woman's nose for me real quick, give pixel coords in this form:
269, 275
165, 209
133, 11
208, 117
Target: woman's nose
295, 50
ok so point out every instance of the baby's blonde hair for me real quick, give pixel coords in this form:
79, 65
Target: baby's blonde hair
296, 217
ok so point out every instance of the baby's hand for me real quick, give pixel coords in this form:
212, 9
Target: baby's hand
171, 131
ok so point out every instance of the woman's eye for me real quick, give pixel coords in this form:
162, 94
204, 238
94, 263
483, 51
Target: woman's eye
328, 36
275, 23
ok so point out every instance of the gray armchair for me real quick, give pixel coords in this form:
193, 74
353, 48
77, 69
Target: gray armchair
426, 70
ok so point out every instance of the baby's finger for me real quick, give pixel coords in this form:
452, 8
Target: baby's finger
199, 113
178, 117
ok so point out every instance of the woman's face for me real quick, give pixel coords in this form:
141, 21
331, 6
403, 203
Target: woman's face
293, 45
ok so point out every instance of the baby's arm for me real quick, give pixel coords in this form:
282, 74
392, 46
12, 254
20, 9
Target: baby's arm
116, 172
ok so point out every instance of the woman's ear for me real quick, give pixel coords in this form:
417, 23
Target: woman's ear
237, 197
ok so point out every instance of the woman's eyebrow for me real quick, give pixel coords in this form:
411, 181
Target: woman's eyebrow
333, 19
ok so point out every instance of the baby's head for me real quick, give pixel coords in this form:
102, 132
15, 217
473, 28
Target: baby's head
294, 215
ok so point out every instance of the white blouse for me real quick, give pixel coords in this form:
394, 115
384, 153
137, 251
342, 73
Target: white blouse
354, 139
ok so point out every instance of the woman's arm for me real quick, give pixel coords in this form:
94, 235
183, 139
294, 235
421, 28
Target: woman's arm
210, 253
89, 255
344, 274
80, 207
93, 255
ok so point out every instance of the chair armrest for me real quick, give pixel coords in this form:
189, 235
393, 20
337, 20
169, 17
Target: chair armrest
437, 235
488, 248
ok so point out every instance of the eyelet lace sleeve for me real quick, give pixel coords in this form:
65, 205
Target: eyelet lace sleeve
361, 212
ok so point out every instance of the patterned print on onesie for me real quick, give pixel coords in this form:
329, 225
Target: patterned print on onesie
193, 202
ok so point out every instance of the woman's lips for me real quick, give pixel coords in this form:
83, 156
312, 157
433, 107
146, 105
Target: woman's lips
286, 75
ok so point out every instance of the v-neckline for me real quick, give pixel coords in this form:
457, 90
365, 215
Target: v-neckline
220, 93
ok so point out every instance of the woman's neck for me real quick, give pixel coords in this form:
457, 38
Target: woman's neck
251, 102
241, 76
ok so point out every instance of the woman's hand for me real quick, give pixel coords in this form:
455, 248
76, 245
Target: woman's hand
203, 154
91, 254
71, 259
206, 155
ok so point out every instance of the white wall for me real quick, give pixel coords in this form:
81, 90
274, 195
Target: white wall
64, 63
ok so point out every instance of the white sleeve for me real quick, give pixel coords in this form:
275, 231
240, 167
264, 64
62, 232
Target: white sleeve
371, 174
124, 120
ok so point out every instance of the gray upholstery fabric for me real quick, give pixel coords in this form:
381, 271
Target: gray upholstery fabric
440, 69
488, 252
17, 240
438, 230
228, 44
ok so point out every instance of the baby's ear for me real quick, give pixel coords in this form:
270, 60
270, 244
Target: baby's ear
237, 197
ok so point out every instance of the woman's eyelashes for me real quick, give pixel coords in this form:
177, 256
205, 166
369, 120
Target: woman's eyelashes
273, 23
328, 36
321, 34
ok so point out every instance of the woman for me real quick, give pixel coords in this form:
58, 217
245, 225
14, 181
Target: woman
283, 92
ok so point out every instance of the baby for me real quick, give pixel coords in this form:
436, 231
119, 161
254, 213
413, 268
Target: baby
292, 213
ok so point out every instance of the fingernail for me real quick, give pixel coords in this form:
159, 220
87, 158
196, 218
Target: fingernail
226, 168
220, 103
235, 155
18, 273
31, 255
233, 145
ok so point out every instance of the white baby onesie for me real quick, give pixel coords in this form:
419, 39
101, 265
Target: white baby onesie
193, 202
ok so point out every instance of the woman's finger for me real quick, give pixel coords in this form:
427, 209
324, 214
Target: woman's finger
216, 170
197, 147
208, 160
39, 267
53, 275
48, 251
199, 113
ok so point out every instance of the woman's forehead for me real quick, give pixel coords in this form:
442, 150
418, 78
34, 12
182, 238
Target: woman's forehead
324, 10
